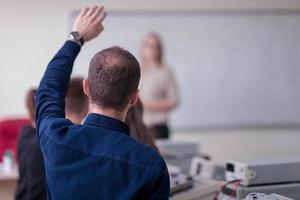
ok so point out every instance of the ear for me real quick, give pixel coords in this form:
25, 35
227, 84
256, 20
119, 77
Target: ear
85, 87
134, 98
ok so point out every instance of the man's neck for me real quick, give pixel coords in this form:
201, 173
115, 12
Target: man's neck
120, 115
75, 118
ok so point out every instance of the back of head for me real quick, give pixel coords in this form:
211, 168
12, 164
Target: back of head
76, 100
113, 77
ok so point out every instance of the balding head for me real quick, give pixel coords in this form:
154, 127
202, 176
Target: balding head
113, 77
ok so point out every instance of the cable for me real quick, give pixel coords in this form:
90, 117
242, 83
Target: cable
237, 184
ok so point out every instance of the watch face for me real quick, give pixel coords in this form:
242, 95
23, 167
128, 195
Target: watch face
75, 35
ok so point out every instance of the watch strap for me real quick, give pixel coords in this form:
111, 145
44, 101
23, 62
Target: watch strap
77, 37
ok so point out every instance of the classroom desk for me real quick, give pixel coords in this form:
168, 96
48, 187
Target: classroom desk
8, 182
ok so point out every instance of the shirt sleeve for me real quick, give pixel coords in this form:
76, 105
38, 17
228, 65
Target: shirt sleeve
50, 95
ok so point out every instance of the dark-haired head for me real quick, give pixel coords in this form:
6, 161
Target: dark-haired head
76, 106
76, 101
113, 79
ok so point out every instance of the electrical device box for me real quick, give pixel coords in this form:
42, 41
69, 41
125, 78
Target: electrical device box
263, 172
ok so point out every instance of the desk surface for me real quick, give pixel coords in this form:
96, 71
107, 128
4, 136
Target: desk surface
201, 191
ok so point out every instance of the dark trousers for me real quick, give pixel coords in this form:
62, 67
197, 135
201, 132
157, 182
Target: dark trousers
160, 131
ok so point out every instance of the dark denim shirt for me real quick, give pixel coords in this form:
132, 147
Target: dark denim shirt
96, 160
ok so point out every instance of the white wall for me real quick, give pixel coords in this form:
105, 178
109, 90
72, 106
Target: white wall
31, 32
244, 67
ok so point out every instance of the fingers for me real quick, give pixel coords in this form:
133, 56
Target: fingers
94, 10
97, 12
98, 22
89, 22
91, 11
84, 11
100, 18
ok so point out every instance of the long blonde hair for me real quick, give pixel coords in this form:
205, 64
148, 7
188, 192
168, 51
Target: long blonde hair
154, 35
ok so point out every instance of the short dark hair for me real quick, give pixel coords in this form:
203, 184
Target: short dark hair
30, 103
76, 100
114, 74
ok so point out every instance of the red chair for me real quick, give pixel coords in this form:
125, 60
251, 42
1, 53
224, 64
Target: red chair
9, 132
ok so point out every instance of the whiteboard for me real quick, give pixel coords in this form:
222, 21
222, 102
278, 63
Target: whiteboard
233, 69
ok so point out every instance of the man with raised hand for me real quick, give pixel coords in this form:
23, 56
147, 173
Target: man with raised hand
96, 160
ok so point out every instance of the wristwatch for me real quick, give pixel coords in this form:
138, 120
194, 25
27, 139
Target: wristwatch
74, 35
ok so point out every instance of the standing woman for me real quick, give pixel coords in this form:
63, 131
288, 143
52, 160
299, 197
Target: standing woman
158, 88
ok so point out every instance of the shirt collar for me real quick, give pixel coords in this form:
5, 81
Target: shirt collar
103, 121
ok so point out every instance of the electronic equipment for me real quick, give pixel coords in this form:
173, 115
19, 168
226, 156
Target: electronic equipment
203, 189
207, 169
184, 187
178, 153
263, 172
181, 186
178, 181
288, 190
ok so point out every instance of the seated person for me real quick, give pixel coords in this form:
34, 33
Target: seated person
138, 129
98, 159
31, 184
77, 103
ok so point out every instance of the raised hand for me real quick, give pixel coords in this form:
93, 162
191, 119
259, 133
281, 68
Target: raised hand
89, 22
